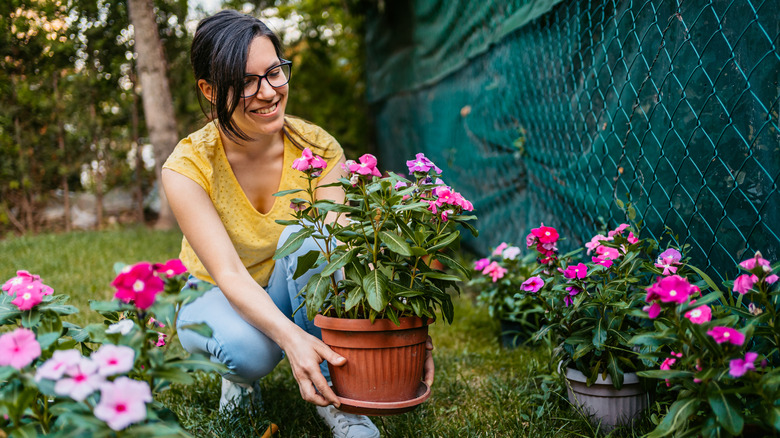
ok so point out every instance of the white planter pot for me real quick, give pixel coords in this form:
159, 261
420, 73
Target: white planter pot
601, 400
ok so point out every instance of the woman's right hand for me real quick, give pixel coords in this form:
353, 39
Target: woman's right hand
305, 353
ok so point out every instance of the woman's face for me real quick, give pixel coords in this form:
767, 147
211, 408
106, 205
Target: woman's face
262, 114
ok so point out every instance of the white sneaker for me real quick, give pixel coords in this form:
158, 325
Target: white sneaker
344, 425
239, 394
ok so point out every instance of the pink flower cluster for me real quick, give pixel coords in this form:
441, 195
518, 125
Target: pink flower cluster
140, 283
670, 289
366, 165
19, 348
493, 269
756, 265
668, 261
605, 255
28, 288
309, 163
544, 240
449, 201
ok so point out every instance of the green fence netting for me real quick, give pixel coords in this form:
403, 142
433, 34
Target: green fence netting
545, 111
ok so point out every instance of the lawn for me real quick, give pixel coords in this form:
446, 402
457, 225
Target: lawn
481, 389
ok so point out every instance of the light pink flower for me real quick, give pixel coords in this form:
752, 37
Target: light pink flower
171, 268
366, 166
22, 278
138, 284
653, 310
345, 167
421, 164
500, 248
28, 296
495, 271
80, 380
671, 289
54, 368
699, 315
19, 348
113, 359
481, 264
744, 283
771, 279
606, 252
595, 242
579, 271
123, 402
738, 367
617, 231
303, 164
757, 260
511, 253
533, 284
400, 185
727, 334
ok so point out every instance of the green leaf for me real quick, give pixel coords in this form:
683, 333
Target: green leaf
198, 362
287, 222
340, 261
173, 375
446, 241
675, 419
452, 263
287, 192
26, 431
774, 417
726, 411
354, 297
305, 262
614, 370
293, 242
316, 290
200, 328
600, 334
62, 309
395, 243
706, 278
442, 276
31, 318
375, 284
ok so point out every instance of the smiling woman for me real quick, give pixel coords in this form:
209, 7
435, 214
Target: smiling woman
220, 183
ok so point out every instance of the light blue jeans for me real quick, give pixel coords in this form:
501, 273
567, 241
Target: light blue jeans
246, 351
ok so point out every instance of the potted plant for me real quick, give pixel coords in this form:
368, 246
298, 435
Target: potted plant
593, 308
498, 278
716, 352
377, 285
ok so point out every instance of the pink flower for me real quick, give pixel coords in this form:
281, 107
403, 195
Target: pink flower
80, 380
631, 238
653, 310
19, 348
160, 339
54, 368
421, 164
303, 164
771, 279
22, 278
672, 289
744, 283
28, 296
617, 231
171, 268
495, 271
500, 248
137, 283
123, 402
603, 262
576, 271
727, 334
667, 363
533, 284
699, 315
738, 367
667, 261
366, 166
481, 264
757, 260
545, 234
594, 242
607, 252
113, 359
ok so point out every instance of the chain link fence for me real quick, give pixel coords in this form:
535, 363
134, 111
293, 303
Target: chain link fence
557, 112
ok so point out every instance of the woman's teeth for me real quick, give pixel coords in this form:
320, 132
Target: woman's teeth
266, 110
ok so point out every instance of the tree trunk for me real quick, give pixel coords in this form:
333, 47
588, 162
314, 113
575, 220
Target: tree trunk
138, 192
61, 145
155, 93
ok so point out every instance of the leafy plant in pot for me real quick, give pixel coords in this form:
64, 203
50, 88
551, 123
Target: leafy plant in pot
375, 286
498, 279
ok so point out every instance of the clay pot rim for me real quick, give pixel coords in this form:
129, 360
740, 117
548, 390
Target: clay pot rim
363, 325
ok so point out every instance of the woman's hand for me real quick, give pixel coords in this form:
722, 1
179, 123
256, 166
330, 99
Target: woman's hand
305, 355
428, 368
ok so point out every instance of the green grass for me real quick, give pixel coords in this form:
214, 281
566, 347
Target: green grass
481, 389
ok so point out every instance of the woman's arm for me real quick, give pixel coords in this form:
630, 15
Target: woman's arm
200, 223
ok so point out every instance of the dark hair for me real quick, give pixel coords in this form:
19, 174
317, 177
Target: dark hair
219, 56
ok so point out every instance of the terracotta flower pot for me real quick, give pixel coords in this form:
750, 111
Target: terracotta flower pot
384, 361
610, 406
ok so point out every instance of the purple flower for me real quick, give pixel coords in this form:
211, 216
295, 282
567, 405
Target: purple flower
568, 300
738, 367
421, 164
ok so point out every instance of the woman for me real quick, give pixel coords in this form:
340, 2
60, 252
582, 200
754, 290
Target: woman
219, 182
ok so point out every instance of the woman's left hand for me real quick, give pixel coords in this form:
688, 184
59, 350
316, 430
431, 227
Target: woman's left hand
428, 368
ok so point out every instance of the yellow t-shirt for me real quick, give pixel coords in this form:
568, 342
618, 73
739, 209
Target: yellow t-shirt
202, 158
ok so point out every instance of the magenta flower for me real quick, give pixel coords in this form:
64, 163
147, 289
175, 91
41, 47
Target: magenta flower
481, 264
603, 262
80, 380
138, 284
533, 284
500, 248
54, 368
366, 166
771, 279
568, 300
421, 164
653, 310
113, 359
671, 289
123, 402
699, 315
579, 271
606, 252
160, 339
171, 268
757, 260
667, 363
495, 271
631, 238
738, 367
545, 234
744, 283
303, 164
19, 348
28, 296
727, 334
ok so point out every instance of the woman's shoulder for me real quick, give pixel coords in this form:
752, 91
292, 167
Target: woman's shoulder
203, 141
195, 155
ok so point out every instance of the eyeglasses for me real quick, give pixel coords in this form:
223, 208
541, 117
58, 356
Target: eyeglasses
277, 76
